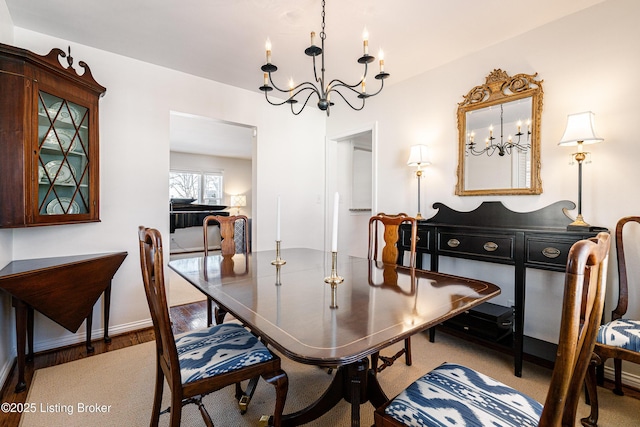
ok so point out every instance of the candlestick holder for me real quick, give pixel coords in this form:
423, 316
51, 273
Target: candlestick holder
278, 282
278, 260
334, 280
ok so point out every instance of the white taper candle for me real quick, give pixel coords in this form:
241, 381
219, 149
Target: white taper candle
334, 239
278, 221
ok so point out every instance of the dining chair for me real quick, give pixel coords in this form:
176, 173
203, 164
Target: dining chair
200, 362
384, 233
228, 248
619, 338
453, 394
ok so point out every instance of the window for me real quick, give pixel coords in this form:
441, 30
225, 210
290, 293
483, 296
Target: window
205, 187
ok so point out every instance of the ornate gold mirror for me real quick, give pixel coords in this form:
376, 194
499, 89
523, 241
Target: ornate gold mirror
499, 136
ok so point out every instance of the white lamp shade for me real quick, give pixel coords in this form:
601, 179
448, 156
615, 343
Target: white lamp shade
239, 200
419, 156
580, 128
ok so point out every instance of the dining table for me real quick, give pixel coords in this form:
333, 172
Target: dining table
289, 300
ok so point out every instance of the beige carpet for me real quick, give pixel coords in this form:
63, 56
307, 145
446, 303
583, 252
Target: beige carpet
121, 383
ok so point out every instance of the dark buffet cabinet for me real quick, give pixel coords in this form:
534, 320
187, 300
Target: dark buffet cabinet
49, 152
495, 234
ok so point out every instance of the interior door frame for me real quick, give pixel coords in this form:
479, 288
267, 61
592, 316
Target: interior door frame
331, 175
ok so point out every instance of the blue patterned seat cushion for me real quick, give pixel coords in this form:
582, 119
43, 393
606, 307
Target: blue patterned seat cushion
621, 333
218, 349
454, 395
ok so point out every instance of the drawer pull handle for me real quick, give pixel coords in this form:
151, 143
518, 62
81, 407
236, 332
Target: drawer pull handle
490, 246
551, 252
453, 243
417, 239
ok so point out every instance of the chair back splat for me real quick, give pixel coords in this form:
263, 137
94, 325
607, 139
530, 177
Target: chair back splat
391, 234
228, 246
443, 394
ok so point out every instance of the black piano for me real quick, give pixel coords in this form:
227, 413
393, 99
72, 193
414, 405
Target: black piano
184, 213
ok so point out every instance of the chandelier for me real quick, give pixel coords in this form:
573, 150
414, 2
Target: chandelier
322, 90
502, 147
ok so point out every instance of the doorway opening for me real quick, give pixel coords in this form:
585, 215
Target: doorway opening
352, 172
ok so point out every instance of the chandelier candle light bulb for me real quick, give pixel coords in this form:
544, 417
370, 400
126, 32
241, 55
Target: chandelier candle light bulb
267, 46
365, 41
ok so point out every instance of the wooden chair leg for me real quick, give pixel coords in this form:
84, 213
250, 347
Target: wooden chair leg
617, 364
407, 351
281, 383
374, 362
175, 412
219, 315
209, 312
592, 394
432, 334
157, 396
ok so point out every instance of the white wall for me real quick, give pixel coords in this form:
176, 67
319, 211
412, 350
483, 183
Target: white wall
134, 145
588, 61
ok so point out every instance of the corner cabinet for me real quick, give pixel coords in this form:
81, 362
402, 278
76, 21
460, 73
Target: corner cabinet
49, 150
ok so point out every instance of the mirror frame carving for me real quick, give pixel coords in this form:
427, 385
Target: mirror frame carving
500, 88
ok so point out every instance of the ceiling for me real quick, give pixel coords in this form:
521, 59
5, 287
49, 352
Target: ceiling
223, 40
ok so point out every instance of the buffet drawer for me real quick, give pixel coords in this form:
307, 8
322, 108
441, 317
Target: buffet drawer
547, 252
423, 237
490, 246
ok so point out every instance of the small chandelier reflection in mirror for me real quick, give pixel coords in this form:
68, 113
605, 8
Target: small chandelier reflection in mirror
322, 90
502, 147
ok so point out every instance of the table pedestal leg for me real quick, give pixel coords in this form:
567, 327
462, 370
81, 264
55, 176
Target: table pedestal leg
355, 383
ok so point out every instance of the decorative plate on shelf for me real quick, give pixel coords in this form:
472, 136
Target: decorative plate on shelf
60, 206
64, 113
64, 136
40, 173
66, 171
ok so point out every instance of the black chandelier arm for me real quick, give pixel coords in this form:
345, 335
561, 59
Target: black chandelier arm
303, 105
338, 82
266, 96
347, 101
315, 70
490, 150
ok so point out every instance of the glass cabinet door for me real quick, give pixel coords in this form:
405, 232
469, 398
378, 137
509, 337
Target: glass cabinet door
63, 161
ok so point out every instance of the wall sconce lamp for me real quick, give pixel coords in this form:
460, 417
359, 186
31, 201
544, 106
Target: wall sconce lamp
238, 201
580, 130
419, 157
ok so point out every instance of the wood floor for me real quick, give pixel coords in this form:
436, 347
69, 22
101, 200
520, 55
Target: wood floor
184, 318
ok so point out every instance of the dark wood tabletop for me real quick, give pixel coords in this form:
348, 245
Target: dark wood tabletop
377, 304
291, 308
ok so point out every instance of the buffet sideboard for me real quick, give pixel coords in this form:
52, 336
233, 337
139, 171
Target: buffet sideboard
495, 234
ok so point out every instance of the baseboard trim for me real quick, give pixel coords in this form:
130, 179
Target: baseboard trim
6, 371
630, 380
81, 337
